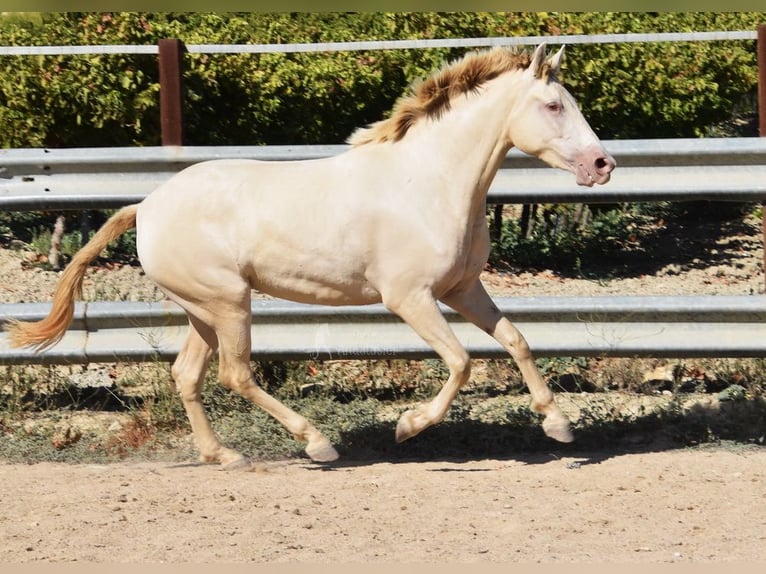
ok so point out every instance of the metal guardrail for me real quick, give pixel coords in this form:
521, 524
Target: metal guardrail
712, 326
723, 169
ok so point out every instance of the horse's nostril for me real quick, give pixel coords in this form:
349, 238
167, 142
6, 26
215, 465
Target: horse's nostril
604, 165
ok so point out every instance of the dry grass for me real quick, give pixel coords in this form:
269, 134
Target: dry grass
58, 413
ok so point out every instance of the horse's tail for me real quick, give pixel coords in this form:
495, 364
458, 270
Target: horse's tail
49, 331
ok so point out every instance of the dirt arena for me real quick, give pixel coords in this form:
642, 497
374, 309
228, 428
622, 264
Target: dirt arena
701, 505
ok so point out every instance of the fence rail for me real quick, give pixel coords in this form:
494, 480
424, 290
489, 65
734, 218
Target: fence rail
571, 39
712, 326
723, 169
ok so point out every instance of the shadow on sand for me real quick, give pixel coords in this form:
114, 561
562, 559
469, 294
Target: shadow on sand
738, 424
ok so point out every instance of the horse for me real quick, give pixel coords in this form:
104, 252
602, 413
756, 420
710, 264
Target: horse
399, 217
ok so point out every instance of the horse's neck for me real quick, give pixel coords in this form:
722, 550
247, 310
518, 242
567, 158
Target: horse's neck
466, 146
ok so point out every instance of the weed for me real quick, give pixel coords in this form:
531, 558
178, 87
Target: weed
35, 229
356, 404
133, 436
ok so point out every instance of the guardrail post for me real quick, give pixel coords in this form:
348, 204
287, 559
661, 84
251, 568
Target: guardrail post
762, 118
171, 53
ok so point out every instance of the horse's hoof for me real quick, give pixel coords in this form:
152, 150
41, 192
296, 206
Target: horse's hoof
557, 427
241, 463
229, 459
323, 451
410, 424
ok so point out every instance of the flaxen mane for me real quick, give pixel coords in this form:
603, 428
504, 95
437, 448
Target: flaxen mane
431, 97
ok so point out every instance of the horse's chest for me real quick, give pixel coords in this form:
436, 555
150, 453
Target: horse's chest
466, 257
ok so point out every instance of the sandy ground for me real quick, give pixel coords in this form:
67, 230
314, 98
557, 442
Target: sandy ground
703, 505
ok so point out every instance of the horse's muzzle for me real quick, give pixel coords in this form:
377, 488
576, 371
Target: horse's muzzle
596, 169
604, 167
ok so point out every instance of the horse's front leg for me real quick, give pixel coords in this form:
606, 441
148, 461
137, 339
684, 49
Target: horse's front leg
421, 312
475, 304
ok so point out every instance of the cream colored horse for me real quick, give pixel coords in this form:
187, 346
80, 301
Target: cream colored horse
399, 218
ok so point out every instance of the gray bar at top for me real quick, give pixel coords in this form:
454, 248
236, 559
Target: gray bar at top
387, 44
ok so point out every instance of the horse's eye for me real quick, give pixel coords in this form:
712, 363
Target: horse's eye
554, 107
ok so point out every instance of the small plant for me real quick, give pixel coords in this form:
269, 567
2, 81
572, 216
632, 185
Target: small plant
134, 435
35, 229
41, 244
562, 237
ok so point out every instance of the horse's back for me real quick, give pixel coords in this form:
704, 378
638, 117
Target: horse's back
284, 227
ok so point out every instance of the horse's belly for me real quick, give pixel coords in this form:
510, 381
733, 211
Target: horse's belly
305, 290
324, 281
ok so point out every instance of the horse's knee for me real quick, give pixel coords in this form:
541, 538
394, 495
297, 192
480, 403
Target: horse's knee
176, 373
236, 379
520, 350
182, 383
461, 367
516, 344
189, 390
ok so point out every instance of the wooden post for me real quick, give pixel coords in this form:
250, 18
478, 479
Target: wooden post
171, 91
762, 117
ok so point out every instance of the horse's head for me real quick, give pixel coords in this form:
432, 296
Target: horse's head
547, 123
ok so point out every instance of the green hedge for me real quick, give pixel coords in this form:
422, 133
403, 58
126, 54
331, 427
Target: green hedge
626, 90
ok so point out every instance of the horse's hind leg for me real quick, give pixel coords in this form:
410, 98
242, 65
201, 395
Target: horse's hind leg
476, 305
233, 325
421, 312
188, 372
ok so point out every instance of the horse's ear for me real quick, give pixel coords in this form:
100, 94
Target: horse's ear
555, 61
538, 59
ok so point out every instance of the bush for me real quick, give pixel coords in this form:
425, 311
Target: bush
626, 90
563, 236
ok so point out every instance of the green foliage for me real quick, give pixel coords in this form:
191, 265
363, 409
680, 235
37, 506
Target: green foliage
659, 89
58, 101
35, 229
626, 90
23, 225
41, 243
563, 236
